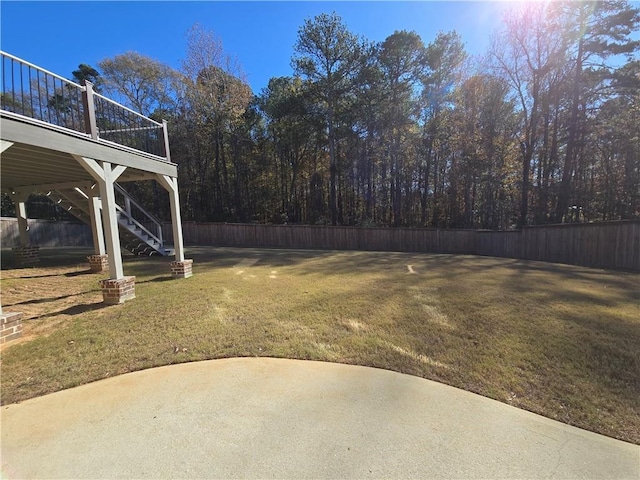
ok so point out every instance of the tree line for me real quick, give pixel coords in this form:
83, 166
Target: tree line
543, 128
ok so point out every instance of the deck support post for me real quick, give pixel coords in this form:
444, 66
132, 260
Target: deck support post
24, 254
98, 262
110, 221
180, 267
96, 223
117, 288
21, 214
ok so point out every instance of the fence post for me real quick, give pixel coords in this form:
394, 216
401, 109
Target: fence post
165, 133
89, 110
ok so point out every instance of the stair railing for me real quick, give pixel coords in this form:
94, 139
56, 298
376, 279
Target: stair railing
136, 214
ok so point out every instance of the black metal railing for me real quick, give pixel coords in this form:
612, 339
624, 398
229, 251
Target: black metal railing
118, 124
35, 93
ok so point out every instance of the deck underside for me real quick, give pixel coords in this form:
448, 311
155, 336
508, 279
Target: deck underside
42, 157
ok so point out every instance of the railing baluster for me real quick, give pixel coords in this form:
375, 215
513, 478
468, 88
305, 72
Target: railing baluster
30, 94
74, 108
4, 84
21, 92
46, 90
13, 86
39, 95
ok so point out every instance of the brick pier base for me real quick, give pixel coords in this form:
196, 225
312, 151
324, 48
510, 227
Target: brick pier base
10, 326
182, 269
118, 290
26, 256
98, 263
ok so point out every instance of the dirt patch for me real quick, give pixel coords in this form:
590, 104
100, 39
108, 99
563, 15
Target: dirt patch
48, 298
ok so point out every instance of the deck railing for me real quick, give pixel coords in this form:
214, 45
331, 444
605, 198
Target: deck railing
43, 96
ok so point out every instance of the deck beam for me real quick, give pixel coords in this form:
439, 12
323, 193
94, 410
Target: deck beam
46, 187
29, 133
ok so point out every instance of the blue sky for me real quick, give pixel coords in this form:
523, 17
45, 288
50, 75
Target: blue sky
60, 35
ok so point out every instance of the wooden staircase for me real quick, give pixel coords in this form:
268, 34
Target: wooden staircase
140, 232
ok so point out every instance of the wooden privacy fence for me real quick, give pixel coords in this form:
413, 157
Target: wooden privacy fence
331, 238
603, 245
46, 233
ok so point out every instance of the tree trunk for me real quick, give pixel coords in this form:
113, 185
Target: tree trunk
565, 184
332, 169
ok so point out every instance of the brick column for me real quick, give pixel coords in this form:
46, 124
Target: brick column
98, 263
26, 255
118, 290
10, 326
183, 269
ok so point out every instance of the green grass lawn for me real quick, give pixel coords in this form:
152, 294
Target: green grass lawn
558, 340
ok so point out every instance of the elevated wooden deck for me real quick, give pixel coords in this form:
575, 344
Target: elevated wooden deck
59, 136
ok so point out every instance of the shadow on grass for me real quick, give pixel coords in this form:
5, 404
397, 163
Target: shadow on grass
74, 310
37, 301
78, 274
27, 277
156, 280
68, 275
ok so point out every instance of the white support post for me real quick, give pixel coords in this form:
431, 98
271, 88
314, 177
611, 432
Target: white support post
176, 221
99, 261
96, 224
170, 184
106, 176
24, 254
21, 215
117, 288
110, 222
